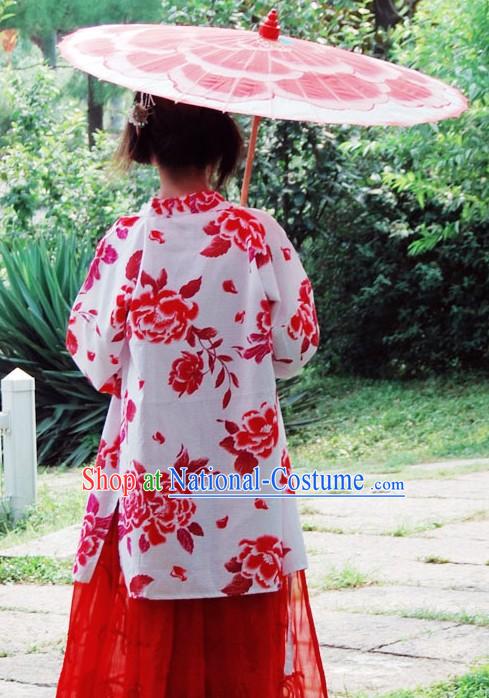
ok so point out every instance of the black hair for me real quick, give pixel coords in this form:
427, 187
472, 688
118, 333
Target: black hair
181, 136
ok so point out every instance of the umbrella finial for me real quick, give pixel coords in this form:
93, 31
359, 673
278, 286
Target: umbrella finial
270, 28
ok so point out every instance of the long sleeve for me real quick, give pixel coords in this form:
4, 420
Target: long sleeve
96, 331
295, 328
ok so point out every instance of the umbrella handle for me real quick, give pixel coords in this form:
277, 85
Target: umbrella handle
249, 160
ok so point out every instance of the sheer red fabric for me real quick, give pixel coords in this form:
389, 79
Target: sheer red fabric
256, 646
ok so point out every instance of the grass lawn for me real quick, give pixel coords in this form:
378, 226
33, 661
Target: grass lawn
35, 569
392, 424
61, 502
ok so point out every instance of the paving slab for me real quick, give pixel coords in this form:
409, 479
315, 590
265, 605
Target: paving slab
386, 516
469, 531
38, 598
447, 466
38, 669
462, 486
362, 631
348, 671
13, 689
60, 544
23, 630
427, 502
460, 550
401, 599
456, 643
445, 576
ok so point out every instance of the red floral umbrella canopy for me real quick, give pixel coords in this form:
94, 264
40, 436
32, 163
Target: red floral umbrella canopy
262, 73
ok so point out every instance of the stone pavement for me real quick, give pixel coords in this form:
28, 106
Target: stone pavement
419, 614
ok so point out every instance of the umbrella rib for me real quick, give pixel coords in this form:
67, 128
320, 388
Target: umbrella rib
204, 75
306, 99
252, 55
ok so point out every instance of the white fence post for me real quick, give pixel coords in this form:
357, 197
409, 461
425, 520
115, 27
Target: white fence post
19, 440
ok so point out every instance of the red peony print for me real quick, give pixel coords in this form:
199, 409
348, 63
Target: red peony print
287, 465
255, 438
117, 321
304, 323
112, 386
264, 257
119, 313
158, 437
157, 514
161, 314
138, 583
179, 573
186, 373
206, 337
235, 226
158, 236
192, 203
123, 224
258, 562
133, 266
222, 523
128, 414
261, 341
93, 532
229, 286
105, 253
71, 341
108, 454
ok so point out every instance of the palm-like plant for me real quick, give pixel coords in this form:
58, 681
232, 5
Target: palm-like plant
299, 402
36, 286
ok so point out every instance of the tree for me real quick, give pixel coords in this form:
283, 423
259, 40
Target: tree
385, 13
44, 22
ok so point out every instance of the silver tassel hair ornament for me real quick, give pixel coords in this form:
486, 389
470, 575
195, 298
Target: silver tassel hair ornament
141, 111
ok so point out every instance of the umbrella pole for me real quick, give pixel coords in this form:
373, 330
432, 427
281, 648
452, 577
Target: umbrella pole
249, 160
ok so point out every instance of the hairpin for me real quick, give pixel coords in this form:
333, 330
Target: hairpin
141, 111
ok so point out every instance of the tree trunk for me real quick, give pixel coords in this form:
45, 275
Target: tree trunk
47, 44
95, 111
385, 13
117, 116
412, 7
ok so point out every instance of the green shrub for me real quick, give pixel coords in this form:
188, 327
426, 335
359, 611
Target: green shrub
386, 313
419, 191
51, 181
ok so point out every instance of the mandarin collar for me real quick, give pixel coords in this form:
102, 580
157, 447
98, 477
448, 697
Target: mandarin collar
194, 202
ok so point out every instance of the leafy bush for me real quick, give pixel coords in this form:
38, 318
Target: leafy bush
50, 180
423, 191
443, 166
387, 313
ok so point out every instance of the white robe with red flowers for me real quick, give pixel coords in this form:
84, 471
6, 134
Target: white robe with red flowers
189, 311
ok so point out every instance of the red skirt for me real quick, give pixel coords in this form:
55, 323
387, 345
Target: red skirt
252, 646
